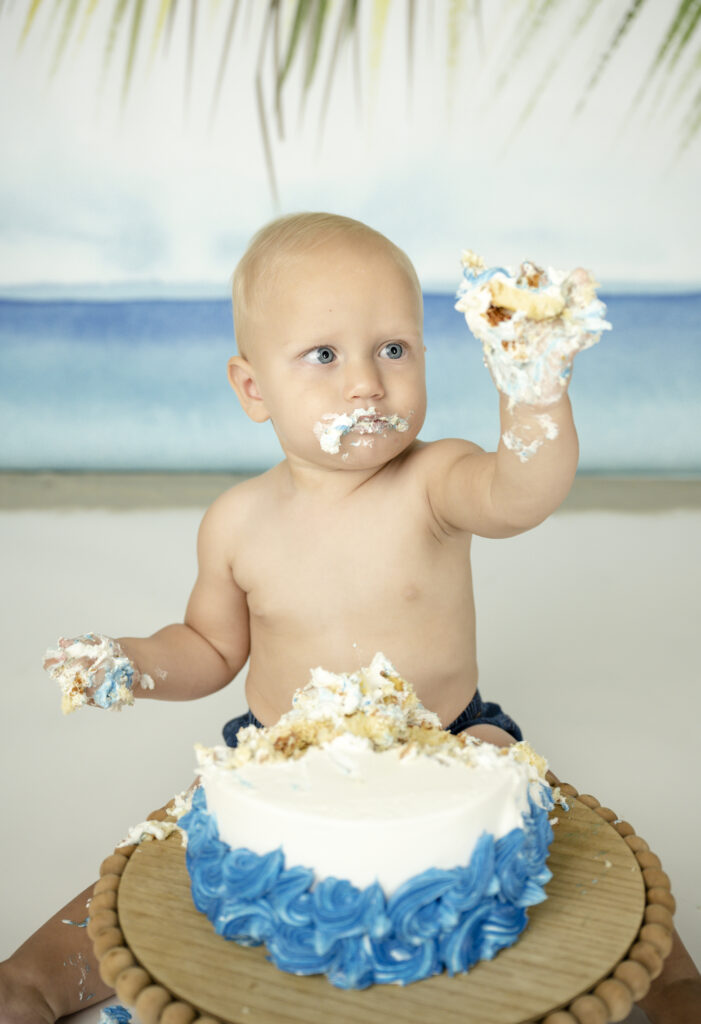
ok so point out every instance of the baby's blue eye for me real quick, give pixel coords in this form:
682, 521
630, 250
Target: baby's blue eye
320, 355
393, 350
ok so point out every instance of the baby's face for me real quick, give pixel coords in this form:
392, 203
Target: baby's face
338, 356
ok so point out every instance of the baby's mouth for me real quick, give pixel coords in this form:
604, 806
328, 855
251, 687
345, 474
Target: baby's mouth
332, 427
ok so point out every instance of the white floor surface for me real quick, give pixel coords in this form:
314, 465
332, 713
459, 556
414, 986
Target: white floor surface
587, 633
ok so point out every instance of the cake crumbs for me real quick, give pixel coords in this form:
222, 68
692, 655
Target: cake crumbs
374, 704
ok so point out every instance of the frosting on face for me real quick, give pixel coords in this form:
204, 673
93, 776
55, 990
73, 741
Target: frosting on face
92, 669
531, 323
333, 427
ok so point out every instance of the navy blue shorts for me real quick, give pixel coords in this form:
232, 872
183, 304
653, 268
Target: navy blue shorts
477, 712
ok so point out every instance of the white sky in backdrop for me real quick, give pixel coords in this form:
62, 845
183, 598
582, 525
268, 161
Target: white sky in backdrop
91, 192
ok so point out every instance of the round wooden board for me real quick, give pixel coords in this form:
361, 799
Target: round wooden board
595, 905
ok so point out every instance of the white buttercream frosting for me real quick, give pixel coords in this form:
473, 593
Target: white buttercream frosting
359, 781
333, 427
156, 828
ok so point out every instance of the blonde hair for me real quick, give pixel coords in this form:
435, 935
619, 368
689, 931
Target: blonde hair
286, 239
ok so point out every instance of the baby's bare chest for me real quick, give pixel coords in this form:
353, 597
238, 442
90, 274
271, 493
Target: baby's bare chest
306, 570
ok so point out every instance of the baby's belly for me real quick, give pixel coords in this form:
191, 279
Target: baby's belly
437, 658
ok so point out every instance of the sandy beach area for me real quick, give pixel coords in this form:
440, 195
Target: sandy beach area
587, 632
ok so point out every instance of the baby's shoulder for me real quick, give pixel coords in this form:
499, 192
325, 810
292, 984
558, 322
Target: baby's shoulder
429, 457
236, 506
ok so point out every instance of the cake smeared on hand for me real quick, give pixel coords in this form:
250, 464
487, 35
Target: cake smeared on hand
93, 670
531, 323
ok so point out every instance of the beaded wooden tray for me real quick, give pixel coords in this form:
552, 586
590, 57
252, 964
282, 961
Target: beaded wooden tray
589, 952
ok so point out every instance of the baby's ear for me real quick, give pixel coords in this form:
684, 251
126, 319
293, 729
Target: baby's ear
243, 381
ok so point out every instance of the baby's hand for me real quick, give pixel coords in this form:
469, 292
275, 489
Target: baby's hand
531, 325
93, 670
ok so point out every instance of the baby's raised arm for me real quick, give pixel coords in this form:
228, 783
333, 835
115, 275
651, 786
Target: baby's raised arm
531, 325
182, 661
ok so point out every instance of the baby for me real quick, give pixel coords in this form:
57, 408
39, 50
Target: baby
357, 541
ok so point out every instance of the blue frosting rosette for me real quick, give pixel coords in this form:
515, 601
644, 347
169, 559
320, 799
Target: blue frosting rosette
438, 920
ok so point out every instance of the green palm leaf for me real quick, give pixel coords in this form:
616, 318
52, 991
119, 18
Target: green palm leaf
344, 29
295, 32
136, 17
622, 30
224, 57
120, 9
29, 20
301, 15
692, 124
531, 23
551, 69
165, 14
314, 37
68, 21
380, 13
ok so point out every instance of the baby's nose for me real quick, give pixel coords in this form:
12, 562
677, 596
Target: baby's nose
362, 380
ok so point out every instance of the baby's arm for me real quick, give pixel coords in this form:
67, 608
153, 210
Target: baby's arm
496, 494
179, 662
531, 325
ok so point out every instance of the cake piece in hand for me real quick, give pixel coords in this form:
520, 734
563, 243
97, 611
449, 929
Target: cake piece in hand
531, 324
93, 670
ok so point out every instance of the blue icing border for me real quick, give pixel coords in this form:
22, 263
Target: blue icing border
437, 920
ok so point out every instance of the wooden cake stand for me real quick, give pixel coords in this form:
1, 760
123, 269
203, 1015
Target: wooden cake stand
589, 951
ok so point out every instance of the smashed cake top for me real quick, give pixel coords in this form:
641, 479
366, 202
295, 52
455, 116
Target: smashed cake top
377, 707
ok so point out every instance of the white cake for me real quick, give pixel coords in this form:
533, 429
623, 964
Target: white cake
359, 839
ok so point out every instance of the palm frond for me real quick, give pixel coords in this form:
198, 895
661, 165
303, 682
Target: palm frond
344, 29
69, 17
305, 34
191, 38
29, 20
301, 14
551, 70
454, 34
260, 105
410, 47
622, 30
692, 125
120, 9
535, 17
675, 41
87, 19
134, 35
456, 16
314, 37
169, 27
683, 82
162, 19
380, 14
680, 31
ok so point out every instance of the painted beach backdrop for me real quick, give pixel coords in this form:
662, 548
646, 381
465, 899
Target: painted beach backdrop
143, 144
141, 385
146, 143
